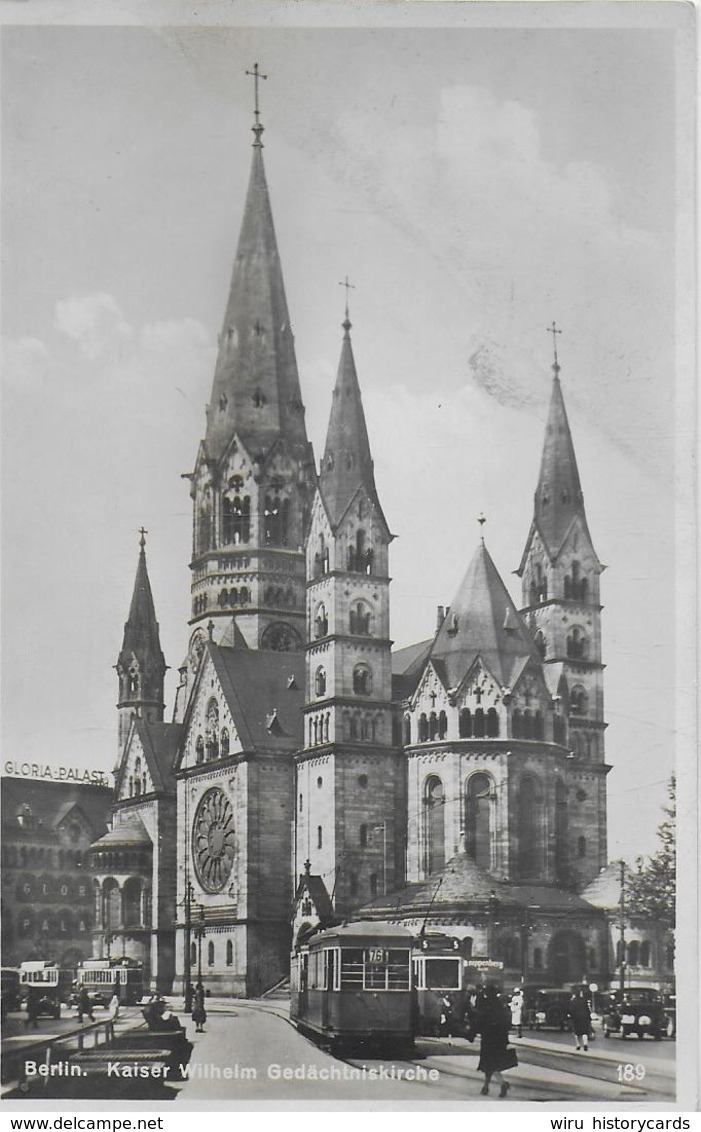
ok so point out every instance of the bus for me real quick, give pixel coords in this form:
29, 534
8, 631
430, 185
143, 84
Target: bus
103, 978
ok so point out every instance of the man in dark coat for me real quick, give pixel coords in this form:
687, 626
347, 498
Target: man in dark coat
493, 1021
580, 1018
84, 1005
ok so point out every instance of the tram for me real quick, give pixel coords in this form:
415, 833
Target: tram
46, 984
10, 996
102, 978
446, 980
352, 986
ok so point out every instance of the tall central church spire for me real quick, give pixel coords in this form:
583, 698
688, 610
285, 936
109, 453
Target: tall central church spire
254, 475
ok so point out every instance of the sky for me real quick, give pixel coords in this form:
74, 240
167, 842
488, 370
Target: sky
475, 183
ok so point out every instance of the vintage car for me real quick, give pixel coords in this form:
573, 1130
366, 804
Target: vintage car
635, 1016
546, 1008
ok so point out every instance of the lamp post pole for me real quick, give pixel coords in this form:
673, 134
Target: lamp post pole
199, 932
187, 973
622, 925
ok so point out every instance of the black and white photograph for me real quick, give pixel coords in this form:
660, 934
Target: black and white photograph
348, 605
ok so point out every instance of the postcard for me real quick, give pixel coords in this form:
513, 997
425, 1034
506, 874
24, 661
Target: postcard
349, 595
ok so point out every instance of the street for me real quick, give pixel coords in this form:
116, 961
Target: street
250, 1051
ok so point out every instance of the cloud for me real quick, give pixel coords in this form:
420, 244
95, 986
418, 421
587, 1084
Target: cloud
96, 324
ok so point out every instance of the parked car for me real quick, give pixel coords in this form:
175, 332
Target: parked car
546, 1008
635, 1016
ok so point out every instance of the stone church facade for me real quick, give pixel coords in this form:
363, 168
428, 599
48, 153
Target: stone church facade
309, 772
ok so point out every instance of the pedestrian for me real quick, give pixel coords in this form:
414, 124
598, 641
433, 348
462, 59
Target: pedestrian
199, 1014
447, 1017
517, 1011
493, 1022
32, 1009
84, 1005
580, 1018
114, 1007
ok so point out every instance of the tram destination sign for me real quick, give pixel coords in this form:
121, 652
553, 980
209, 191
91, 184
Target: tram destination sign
44, 772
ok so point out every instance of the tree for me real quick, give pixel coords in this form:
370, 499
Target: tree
651, 887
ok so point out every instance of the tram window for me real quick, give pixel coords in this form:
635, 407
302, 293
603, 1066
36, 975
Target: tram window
443, 974
352, 967
398, 970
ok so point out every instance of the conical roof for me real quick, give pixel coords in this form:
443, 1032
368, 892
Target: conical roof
482, 621
558, 497
347, 463
141, 636
256, 390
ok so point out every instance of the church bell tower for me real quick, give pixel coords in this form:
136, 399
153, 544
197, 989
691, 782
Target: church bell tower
141, 666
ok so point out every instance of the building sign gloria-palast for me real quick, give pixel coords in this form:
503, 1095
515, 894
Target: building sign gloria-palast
42, 772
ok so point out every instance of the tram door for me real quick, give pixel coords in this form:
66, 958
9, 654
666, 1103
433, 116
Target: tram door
303, 983
330, 969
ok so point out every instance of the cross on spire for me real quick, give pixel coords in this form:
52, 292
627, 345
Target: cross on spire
554, 330
482, 520
256, 75
142, 541
349, 287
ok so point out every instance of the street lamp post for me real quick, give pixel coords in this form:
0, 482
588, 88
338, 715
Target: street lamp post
187, 973
622, 926
492, 925
199, 935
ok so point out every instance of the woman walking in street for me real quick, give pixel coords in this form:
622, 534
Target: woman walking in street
199, 1014
580, 1017
493, 1022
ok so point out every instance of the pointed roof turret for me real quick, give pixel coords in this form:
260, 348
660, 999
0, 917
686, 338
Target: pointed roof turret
558, 497
483, 621
347, 462
141, 636
256, 391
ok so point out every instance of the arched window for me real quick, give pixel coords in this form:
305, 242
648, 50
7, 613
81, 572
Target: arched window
236, 518
229, 953
479, 799
529, 826
527, 724
366, 728
321, 622
492, 723
354, 727
465, 723
243, 595
442, 725
363, 836
645, 953
132, 903
137, 776
479, 725
434, 825
319, 837
210, 954
360, 619
579, 700
432, 726
212, 730
224, 743
407, 730
577, 645
517, 724
423, 727
538, 726
538, 958
561, 821
320, 682
276, 511
558, 729
362, 680
581, 846
541, 643
321, 558
111, 905
359, 555
205, 529
633, 953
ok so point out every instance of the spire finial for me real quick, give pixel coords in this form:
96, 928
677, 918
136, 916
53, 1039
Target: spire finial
257, 128
554, 330
482, 520
142, 541
346, 324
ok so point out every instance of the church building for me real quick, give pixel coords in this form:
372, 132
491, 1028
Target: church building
310, 773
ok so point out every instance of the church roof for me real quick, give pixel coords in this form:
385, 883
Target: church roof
265, 694
462, 882
130, 832
256, 392
141, 636
483, 621
314, 885
558, 497
347, 463
160, 743
605, 890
